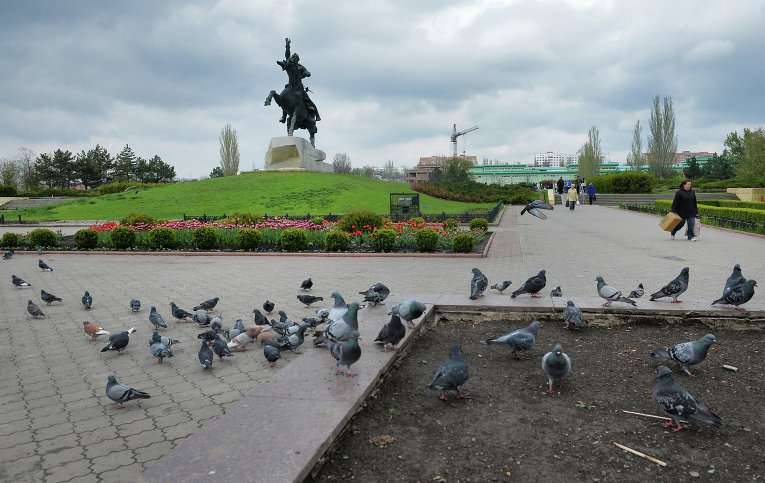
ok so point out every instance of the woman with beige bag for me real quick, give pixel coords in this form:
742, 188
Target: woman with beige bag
684, 205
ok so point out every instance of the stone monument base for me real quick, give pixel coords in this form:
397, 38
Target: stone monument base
292, 153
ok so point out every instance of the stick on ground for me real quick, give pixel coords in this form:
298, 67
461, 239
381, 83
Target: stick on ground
642, 455
649, 416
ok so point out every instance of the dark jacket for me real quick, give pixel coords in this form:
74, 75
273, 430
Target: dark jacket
560, 185
684, 203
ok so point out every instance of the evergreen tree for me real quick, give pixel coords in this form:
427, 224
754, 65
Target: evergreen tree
87, 169
161, 172
124, 165
142, 171
45, 170
217, 172
751, 167
66, 172
719, 167
104, 163
693, 170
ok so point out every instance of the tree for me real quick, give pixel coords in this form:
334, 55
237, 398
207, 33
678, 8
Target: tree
103, 164
635, 158
390, 171
87, 169
142, 171
27, 175
229, 151
590, 155
9, 173
160, 171
45, 170
734, 146
123, 168
217, 172
341, 163
66, 171
457, 169
719, 167
752, 165
693, 170
662, 141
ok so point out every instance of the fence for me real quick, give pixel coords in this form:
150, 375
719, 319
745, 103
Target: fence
732, 223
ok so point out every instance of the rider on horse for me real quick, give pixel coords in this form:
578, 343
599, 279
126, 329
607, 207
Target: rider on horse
296, 73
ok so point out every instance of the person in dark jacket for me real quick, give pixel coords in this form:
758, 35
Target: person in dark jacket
561, 185
685, 206
591, 192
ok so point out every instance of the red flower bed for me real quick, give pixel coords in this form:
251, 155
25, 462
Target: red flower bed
270, 223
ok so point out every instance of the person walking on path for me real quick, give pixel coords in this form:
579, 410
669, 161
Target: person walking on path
685, 206
591, 192
561, 190
573, 197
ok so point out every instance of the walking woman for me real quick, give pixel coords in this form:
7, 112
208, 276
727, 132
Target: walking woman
573, 197
684, 205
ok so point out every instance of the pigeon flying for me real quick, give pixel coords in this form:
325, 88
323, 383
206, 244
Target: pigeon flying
49, 298
534, 209
686, 353
556, 365
610, 294
121, 393
675, 288
87, 300
44, 266
478, 284
451, 375
533, 285
679, 404
518, 340
501, 286
391, 333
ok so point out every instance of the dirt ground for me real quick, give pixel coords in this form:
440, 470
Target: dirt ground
512, 430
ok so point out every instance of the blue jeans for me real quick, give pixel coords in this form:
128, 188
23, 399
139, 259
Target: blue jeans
689, 231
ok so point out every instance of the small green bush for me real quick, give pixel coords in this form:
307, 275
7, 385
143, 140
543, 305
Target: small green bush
337, 241
162, 238
10, 240
123, 238
360, 219
384, 240
42, 237
317, 220
463, 243
8, 190
417, 221
205, 238
427, 240
248, 239
293, 240
137, 219
755, 205
479, 224
630, 182
451, 224
86, 239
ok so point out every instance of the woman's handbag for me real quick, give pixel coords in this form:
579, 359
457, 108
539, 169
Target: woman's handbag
697, 228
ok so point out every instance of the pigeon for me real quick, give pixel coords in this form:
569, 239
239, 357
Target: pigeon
478, 284
519, 340
207, 304
87, 300
44, 266
294, 340
376, 294
391, 333
7, 254
313, 322
572, 317
306, 284
501, 286
408, 310
93, 330
638, 292
237, 329
179, 313
675, 288
208, 335
260, 319
339, 308
49, 298
341, 330
34, 310
220, 347
121, 393
451, 375
158, 348
201, 317
679, 404
686, 353
272, 354
346, 352
135, 305
739, 295
156, 319
556, 365
533, 285
205, 356
118, 341
534, 207
268, 306
216, 324
736, 278
19, 282
308, 299
556, 292
610, 294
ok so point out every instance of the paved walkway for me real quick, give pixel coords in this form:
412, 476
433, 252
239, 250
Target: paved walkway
57, 425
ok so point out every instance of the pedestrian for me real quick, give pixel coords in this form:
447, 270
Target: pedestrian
573, 197
561, 190
685, 206
591, 192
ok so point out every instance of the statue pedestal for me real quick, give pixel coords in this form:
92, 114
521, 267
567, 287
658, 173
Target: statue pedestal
292, 153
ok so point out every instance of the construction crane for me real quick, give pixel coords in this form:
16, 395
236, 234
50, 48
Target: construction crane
456, 134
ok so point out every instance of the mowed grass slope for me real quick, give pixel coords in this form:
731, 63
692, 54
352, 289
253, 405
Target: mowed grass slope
274, 193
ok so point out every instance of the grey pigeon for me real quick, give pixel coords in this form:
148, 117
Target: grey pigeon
121, 393
306, 284
87, 300
679, 404
268, 306
49, 298
675, 288
205, 356
736, 278
533, 285
339, 308
556, 292
19, 282
346, 352
610, 294
7, 254
158, 348
408, 310
501, 286
295, 339
391, 333
118, 341
478, 284
135, 305
376, 294
272, 354
216, 324
638, 292
201, 317
208, 335
220, 347
451, 375
686, 353
572, 317
284, 326
260, 319
556, 365
308, 299
34, 310
156, 319
534, 208
179, 313
237, 329
168, 341
342, 329
739, 295
518, 340
313, 322
207, 304
44, 266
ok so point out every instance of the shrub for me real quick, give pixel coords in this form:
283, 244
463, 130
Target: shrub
463, 243
293, 240
359, 219
7, 190
248, 239
624, 183
317, 220
479, 224
755, 205
123, 238
472, 191
10, 240
337, 241
417, 221
205, 238
162, 238
427, 240
86, 239
137, 219
384, 240
243, 219
42, 237
451, 224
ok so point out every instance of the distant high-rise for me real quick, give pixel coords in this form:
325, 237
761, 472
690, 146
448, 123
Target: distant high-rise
552, 159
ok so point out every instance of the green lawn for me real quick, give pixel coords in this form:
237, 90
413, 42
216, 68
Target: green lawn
274, 193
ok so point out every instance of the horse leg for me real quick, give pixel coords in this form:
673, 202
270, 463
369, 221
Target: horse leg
271, 95
291, 127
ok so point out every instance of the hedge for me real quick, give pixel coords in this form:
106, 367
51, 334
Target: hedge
248, 239
624, 183
479, 224
755, 205
384, 240
337, 241
10, 240
42, 237
293, 240
205, 238
714, 215
86, 239
160, 238
463, 243
358, 220
427, 240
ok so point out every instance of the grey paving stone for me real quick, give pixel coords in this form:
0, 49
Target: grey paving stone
67, 471
112, 461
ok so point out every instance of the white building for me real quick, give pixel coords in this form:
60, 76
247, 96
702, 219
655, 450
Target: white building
555, 160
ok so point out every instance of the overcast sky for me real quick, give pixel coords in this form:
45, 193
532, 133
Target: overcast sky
389, 77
